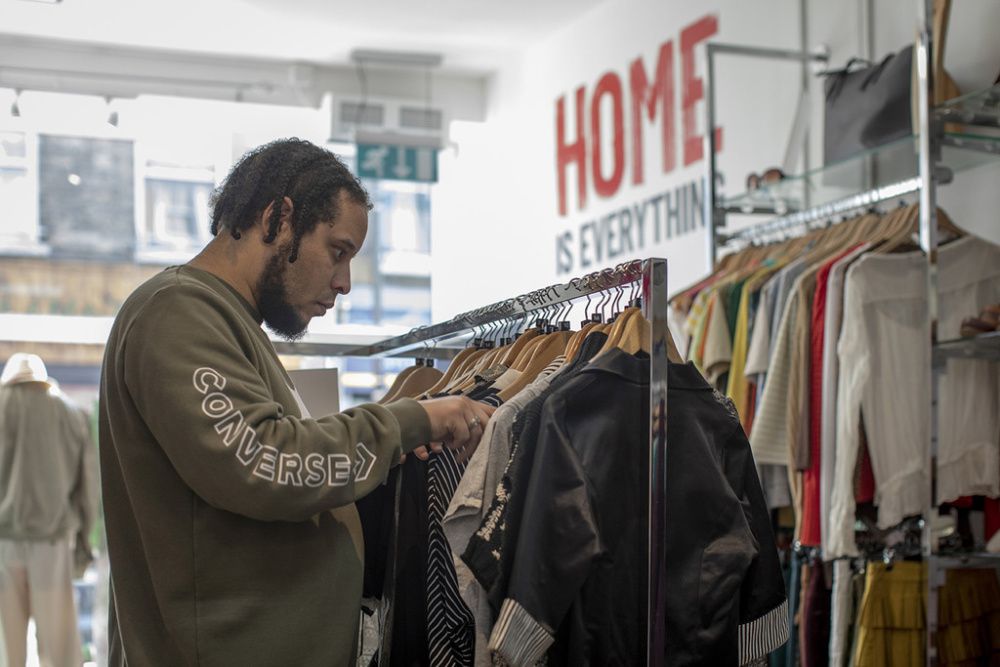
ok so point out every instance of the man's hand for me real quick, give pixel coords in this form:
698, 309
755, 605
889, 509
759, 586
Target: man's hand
457, 422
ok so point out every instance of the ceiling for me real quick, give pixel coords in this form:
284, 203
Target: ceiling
472, 36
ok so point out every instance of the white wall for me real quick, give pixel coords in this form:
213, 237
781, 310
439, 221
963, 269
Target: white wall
496, 217
508, 179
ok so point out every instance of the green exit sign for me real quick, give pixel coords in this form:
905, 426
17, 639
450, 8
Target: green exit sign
401, 163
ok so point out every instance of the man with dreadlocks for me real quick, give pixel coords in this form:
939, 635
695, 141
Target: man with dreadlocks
232, 531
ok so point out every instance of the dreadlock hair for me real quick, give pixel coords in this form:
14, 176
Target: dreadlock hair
312, 177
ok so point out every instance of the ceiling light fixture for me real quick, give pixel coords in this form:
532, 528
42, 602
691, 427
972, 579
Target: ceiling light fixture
15, 108
112, 113
395, 58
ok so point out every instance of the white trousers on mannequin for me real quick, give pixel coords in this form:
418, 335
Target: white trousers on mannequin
36, 581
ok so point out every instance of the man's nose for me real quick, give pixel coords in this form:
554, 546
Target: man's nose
341, 282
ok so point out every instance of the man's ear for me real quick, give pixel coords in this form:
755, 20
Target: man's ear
284, 222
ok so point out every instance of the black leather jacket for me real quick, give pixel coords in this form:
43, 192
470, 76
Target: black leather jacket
578, 585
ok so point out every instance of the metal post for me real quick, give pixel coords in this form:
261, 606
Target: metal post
709, 157
654, 299
927, 153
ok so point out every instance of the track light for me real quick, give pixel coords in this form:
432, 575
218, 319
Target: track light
15, 108
112, 113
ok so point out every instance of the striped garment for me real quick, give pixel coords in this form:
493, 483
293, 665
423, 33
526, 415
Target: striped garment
451, 628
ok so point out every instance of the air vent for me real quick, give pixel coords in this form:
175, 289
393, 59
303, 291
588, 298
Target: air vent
370, 114
420, 119
407, 121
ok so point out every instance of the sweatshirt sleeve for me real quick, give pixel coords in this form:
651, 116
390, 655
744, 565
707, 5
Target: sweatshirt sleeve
207, 385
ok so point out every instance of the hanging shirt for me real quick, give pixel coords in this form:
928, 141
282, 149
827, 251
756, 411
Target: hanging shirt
472, 499
969, 389
769, 438
811, 533
881, 351
883, 373
487, 553
831, 370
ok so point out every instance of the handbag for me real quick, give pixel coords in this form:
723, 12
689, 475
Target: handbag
867, 105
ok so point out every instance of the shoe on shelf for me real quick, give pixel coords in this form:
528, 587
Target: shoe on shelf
988, 320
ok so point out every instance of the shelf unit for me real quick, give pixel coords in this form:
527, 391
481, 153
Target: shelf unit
918, 165
787, 202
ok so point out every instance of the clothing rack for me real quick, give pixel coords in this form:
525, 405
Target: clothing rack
651, 274
854, 203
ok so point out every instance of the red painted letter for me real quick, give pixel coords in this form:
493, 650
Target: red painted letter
611, 85
645, 96
567, 153
693, 87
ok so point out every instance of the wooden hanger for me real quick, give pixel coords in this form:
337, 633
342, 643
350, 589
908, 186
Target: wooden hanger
544, 352
635, 335
457, 365
861, 228
576, 342
477, 363
902, 232
393, 391
617, 327
519, 344
418, 382
945, 223
468, 379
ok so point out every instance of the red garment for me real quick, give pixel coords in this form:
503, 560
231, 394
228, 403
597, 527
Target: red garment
864, 477
991, 516
811, 534
751, 407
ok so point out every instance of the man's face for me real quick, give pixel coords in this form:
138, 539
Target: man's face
290, 295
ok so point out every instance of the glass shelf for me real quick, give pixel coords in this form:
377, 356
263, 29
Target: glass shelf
977, 144
984, 346
979, 108
889, 164
952, 558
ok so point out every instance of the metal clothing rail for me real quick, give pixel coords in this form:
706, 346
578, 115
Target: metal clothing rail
519, 307
652, 275
837, 207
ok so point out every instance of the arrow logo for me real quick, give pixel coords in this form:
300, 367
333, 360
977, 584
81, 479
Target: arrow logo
363, 463
401, 170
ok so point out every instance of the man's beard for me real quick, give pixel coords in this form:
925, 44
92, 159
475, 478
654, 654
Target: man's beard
272, 299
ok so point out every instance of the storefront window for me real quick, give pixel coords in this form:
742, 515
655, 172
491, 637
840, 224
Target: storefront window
19, 231
177, 220
137, 192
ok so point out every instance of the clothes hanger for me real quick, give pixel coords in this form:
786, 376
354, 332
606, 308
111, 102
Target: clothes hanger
576, 341
586, 326
457, 366
945, 223
478, 363
393, 391
547, 348
617, 328
862, 227
902, 235
419, 381
635, 334
519, 343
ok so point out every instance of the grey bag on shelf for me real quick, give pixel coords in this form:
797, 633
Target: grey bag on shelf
867, 106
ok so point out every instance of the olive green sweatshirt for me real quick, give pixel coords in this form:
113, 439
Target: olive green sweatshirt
232, 533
